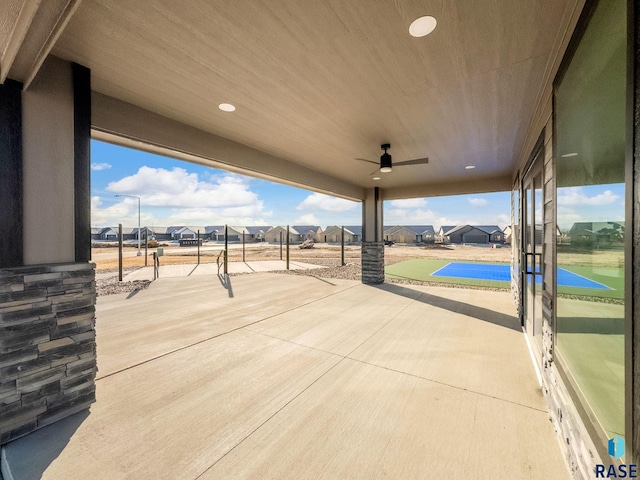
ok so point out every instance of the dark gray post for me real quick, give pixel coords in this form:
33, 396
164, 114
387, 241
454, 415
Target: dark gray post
243, 246
287, 247
280, 245
120, 251
198, 242
82, 161
11, 218
342, 247
226, 250
146, 247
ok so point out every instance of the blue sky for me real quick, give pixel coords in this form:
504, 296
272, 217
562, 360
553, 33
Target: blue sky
174, 192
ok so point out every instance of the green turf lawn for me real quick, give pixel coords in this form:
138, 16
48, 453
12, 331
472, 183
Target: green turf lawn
421, 269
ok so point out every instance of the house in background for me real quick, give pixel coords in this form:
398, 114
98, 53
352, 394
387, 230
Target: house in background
256, 233
275, 234
596, 233
105, 234
308, 232
297, 233
410, 233
441, 236
183, 233
211, 232
333, 234
474, 234
496, 235
508, 234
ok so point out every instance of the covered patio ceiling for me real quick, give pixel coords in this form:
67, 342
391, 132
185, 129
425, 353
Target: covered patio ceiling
315, 84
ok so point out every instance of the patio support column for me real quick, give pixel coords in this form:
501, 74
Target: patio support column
372, 242
11, 173
47, 285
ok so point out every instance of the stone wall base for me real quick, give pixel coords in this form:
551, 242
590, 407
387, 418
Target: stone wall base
47, 345
577, 447
373, 262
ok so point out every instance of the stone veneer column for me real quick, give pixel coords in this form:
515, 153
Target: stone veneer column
372, 244
373, 262
47, 345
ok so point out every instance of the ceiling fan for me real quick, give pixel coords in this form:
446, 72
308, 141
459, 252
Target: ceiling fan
386, 163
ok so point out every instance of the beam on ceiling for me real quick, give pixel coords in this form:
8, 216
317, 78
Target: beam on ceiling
33, 35
125, 124
481, 185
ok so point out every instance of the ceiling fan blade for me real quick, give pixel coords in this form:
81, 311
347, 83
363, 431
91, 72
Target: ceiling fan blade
416, 161
375, 171
368, 161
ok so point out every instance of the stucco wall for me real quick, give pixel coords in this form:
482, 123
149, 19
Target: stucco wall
48, 166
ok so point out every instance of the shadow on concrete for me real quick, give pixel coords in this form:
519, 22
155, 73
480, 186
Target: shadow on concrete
323, 280
194, 269
133, 293
30, 456
225, 281
481, 313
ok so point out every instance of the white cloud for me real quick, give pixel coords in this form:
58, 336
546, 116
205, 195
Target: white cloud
176, 197
111, 215
409, 203
178, 188
478, 202
100, 166
307, 219
574, 196
503, 220
327, 203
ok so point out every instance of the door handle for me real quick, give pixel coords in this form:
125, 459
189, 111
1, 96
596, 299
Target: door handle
530, 267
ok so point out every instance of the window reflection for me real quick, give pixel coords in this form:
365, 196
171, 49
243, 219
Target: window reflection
590, 157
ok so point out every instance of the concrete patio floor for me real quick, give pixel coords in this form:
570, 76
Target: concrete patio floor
292, 377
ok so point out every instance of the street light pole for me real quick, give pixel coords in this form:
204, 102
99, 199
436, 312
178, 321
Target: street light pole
139, 233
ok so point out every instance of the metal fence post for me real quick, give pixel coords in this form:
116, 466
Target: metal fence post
198, 242
226, 250
120, 252
287, 247
342, 247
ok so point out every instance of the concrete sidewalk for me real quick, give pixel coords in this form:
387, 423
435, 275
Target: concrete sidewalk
271, 376
192, 269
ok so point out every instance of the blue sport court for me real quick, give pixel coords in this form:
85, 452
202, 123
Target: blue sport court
502, 273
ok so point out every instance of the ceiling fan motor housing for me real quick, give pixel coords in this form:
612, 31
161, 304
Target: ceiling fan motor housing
385, 159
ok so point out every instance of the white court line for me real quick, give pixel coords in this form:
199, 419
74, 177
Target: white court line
607, 287
444, 266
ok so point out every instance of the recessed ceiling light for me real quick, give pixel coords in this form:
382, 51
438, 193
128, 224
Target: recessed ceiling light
226, 107
376, 178
422, 26
470, 167
567, 155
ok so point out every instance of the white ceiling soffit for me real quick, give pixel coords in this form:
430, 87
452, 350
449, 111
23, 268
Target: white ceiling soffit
318, 84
